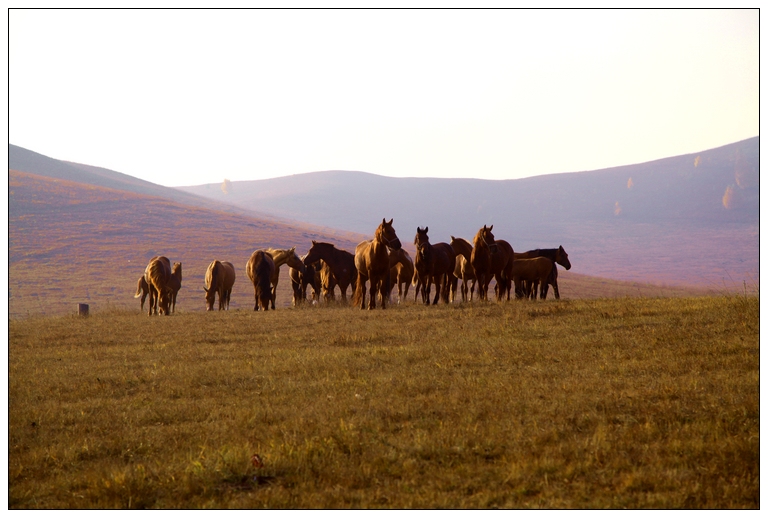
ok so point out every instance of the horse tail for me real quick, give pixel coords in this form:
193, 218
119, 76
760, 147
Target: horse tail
139, 288
358, 291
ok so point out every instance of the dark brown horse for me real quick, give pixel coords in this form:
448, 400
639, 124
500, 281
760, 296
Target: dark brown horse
259, 269
300, 281
557, 255
219, 279
339, 268
434, 264
400, 273
142, 290
157, 276
463, 269
537, 269
483, 247
372, 263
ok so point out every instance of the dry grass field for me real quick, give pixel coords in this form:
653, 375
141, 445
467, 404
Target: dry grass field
580, 403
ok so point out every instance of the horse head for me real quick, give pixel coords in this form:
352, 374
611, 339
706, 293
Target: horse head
295, 262
385, 233
561, 258
421, 236
485, 238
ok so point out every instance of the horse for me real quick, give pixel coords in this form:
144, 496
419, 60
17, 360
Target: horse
434, 264
463, 269
259, 269
142, 290
528, 270
483, 247
372, 263
219, 279
338, 267
400, 273
157, 275
174, 284
299, 282
281, 257
557, 255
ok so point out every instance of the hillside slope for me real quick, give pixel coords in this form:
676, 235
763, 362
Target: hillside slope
692, 219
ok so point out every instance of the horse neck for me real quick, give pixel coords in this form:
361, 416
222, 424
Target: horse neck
280, 257
462, 247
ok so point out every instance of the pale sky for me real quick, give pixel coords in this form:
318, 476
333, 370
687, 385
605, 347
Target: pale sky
190, 97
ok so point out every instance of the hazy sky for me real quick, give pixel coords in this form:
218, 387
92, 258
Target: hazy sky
190, 97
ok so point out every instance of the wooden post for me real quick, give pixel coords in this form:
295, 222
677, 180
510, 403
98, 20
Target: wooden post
82, 310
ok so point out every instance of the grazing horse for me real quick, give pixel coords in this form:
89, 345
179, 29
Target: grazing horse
338, 268
281, 257
142, 290
400, 273
372, 263
174, 284
157, 276
434, 264
483, 247
300, 281
219, 279
463, 269
528, 270
259, 269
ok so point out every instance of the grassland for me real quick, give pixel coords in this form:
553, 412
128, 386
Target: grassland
590, 403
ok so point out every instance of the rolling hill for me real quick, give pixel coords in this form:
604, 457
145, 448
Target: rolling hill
691, 219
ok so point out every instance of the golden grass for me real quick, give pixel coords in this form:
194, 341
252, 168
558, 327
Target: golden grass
604, 403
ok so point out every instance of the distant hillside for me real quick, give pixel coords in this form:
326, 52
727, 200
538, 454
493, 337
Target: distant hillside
689, 219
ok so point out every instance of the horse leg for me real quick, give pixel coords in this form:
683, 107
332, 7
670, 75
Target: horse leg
557, 291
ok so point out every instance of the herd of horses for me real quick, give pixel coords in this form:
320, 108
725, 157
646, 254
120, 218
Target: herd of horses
381, 263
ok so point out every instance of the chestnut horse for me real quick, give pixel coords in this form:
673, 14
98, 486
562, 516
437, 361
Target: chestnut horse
463, 269
259, 269
400, 273
174, 284
157, 276
338, 268
372, 263
434, 264
219, 279
281, 257
538, 269
300, 281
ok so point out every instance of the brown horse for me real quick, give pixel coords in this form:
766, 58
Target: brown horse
483, 247
537, 269
174, 284
557, 255
259, 269
463, 269
142, 290
434, 264
157, 276
338, 268
372, 263
300, 281
219, 279
400, 273
281, 257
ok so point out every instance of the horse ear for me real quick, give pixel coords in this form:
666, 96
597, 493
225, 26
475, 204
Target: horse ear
383, 221
314, 242
390, 221
453, 238
426, 230
490, 228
